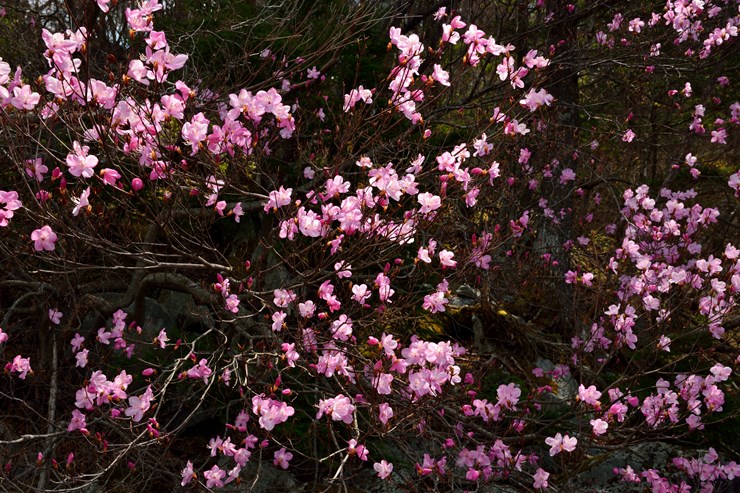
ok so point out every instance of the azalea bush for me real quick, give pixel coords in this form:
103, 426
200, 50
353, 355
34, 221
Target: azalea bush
470, 265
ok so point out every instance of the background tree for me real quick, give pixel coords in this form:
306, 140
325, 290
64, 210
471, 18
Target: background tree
301, 243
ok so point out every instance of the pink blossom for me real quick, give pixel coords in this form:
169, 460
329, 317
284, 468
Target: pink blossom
76, 342
214, 477
103, 5
44, 239
567, 175
628, 136
77, 422
138, 405
540, 479
385, 413
428, 202
270, 411
560, 443
312, 73
599, 426
589, 395
440, 75
340, 408
161, 339
20, 365
24, 99
360, 450
382, 383
719, 136
445, 258
36, 169
383, 468
82, 202
188, 474
508, 395
81, 358
201, 370
110, 176
80, 162
721, 372
281, 458
435, 302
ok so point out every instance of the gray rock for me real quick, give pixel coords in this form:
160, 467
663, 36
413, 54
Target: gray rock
601, 478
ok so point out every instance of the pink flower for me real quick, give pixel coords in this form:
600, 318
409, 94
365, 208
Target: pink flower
55, 316
560, 443
20, 365
382, 383
567, 175
540, 479
719, 136
82, 202
81, 358
445, 258
161, 339
77, 422
312, 73
282, 457
359, 450
201, 370
599, 426
383, 468
36, 169
628, 136
110, 176
76, 342
340, 408
187, 474
435, 302
79, 162
589, 395
385, 413
720, 372
441, 75
508, 395
428, 202
44, 239
271, 412
214, 477
103, 5
138, 405
24, 99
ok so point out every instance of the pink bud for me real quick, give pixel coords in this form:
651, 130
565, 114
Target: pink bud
149, 372
137, 184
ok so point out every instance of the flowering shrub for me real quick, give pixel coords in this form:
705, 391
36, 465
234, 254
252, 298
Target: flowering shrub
312, 282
